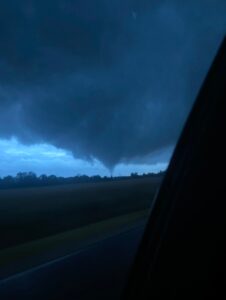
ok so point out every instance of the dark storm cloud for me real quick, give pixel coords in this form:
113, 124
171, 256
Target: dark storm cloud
107, 79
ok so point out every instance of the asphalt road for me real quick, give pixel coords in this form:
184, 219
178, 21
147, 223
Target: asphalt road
97, 272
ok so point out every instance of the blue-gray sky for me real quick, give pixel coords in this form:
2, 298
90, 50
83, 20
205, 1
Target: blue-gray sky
108, 82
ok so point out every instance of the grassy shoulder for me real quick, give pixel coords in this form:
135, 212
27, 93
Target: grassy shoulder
22, 257
31, 214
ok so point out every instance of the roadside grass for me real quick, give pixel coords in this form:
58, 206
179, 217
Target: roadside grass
31, 214
19, 258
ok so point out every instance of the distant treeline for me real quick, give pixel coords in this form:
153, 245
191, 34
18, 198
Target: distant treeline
30, 179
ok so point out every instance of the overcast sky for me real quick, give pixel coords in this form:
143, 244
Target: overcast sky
99, 84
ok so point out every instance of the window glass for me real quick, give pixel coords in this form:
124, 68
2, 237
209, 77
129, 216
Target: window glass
93, 97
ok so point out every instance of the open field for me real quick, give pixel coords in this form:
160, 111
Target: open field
35, 213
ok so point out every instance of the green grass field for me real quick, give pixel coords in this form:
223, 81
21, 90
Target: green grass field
34, 213
25, 256
41, 224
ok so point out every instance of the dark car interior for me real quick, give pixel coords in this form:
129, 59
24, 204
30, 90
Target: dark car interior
182, 254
